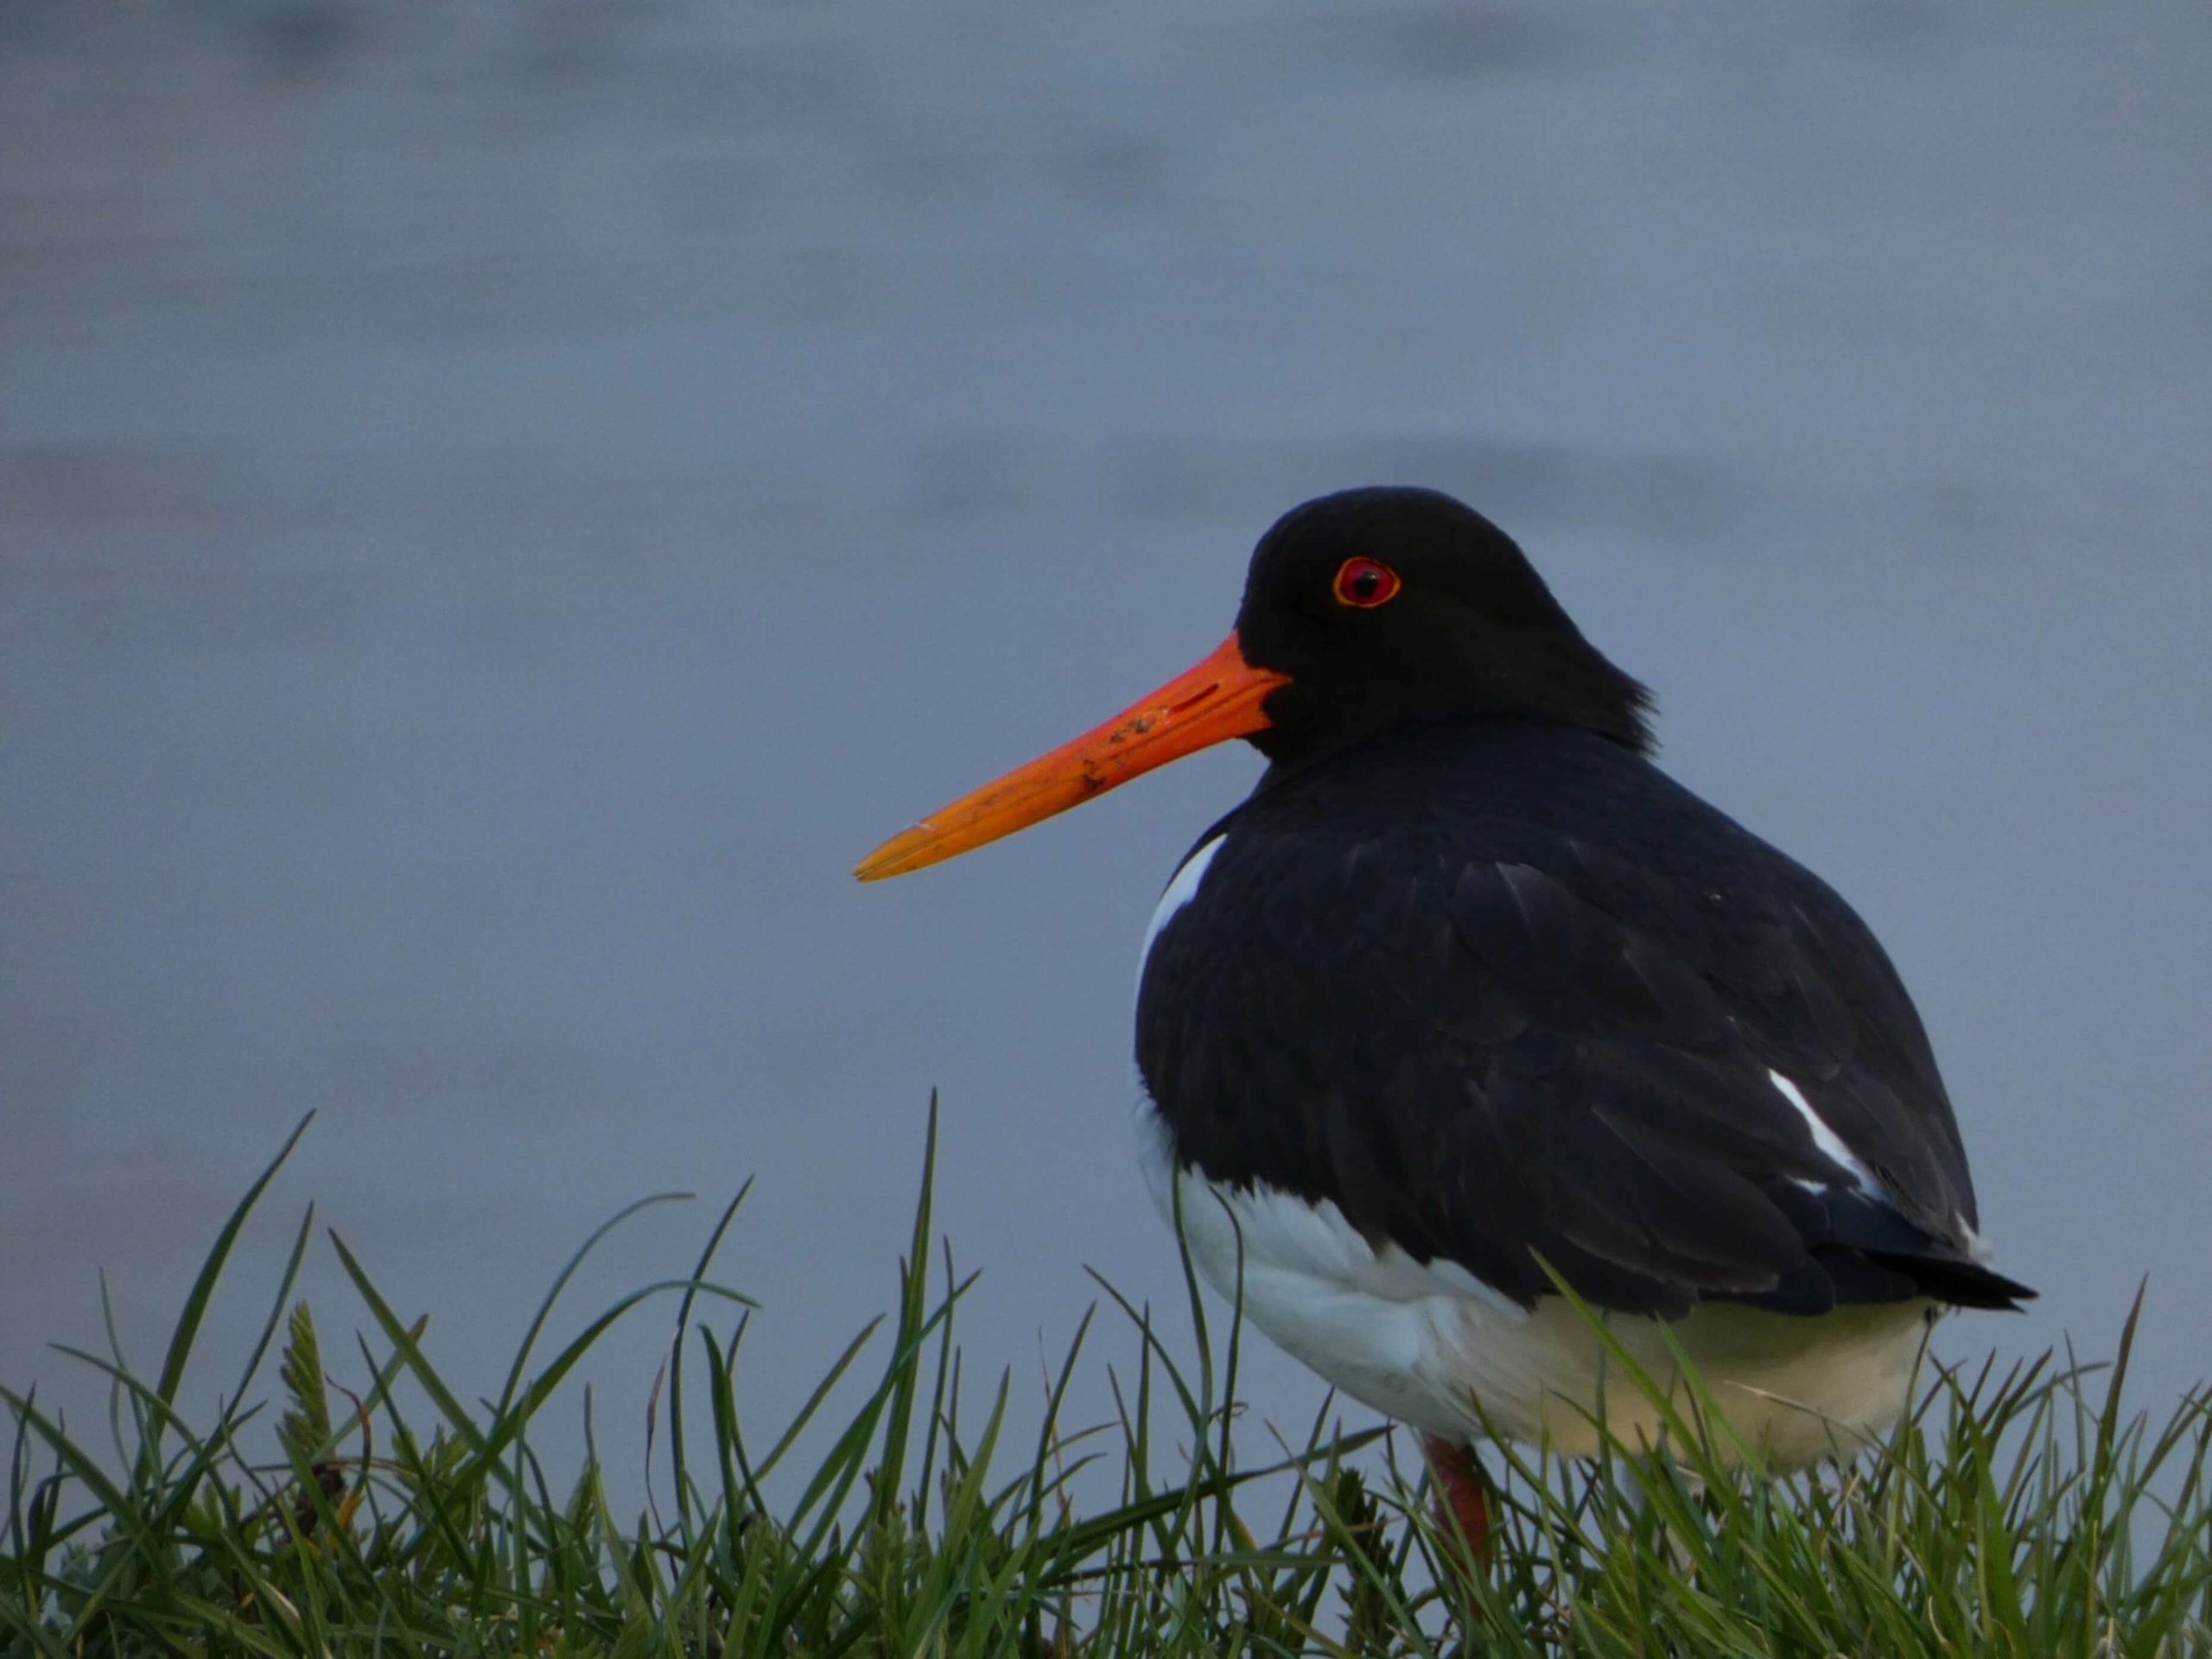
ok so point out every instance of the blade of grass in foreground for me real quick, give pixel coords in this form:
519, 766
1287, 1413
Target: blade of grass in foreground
2026, 1510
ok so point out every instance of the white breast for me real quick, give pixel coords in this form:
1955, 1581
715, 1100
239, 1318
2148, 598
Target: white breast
1424, 1342
1180, 891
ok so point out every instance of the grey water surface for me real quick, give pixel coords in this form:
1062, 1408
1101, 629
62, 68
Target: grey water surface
500, 506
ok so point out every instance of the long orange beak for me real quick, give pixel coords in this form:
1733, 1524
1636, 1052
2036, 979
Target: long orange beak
1216, 700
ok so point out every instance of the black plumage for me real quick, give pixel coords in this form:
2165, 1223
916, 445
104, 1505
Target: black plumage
1469, 965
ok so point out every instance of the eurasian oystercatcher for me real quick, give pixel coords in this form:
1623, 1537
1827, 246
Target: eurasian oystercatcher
1469, 993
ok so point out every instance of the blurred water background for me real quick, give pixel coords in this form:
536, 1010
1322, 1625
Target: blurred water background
499, 506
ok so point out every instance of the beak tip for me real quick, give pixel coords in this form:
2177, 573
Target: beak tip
903, 852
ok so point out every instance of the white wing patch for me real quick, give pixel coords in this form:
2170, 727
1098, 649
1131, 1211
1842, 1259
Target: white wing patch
1827, 1140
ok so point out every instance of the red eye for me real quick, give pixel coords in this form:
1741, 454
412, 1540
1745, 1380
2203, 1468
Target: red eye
1365, 583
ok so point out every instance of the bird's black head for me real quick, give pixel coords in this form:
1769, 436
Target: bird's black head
1393, 608
1364, 613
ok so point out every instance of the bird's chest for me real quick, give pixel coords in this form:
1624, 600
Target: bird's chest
1286, 980
1316, 978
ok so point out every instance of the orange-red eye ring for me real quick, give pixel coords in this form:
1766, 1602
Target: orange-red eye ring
1364, 583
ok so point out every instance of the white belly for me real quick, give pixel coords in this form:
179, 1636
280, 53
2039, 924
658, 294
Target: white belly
1432, 1346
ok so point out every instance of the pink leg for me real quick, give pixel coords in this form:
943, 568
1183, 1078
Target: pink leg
1459, 1497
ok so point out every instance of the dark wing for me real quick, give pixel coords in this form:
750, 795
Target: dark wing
1571, 1055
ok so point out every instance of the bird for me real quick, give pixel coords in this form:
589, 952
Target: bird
1469, 1005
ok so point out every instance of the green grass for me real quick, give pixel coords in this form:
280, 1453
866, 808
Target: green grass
2022, 1513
